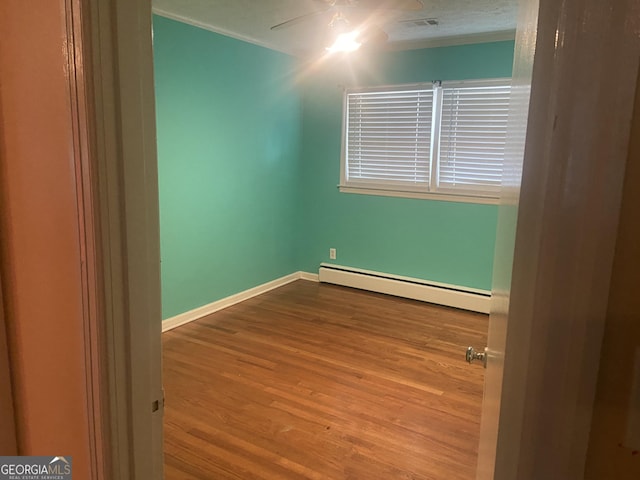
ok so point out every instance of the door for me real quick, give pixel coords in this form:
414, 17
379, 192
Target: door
551, 284
614, 439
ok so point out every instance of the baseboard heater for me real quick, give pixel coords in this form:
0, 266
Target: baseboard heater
442, 294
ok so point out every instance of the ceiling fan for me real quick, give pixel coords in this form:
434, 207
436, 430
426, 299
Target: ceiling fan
354, 22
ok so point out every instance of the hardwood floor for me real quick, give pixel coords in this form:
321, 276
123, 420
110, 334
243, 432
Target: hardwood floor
314, 381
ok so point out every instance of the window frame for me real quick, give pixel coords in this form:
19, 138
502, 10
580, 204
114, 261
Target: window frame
432, 190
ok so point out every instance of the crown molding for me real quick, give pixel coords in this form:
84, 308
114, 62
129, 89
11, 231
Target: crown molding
391, 47
452, 41
221, 31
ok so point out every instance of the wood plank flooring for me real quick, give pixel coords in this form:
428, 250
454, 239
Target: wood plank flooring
314, 381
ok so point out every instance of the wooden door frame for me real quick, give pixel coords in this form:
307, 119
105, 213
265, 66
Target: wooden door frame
94, 325
126, 185
115, 41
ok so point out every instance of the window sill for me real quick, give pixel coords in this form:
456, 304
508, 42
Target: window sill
443, 197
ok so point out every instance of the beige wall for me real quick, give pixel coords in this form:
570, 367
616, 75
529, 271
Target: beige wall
40, 256
608, 458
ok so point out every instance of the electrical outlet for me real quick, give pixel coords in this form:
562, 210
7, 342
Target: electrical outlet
332, 253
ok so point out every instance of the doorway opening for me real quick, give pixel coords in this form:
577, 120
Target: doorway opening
248, 201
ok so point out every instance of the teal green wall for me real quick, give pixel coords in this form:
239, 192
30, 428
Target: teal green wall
433, 240
228, 123
249, 163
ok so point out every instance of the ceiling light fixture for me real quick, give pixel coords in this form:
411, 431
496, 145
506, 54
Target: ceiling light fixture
345, 42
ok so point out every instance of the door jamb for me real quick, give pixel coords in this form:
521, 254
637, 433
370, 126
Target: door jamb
123, 176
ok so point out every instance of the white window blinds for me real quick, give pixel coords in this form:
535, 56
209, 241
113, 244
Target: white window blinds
388, 137
446, 139
473, 129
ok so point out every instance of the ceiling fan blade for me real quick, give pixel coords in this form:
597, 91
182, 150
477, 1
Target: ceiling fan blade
295, 20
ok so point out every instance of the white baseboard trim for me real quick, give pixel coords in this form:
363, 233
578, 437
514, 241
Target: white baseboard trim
312, 277
433, 292
203, 311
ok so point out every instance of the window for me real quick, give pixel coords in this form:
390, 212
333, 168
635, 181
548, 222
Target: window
445, 139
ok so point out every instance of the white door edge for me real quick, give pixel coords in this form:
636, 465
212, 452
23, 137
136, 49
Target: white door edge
547, 320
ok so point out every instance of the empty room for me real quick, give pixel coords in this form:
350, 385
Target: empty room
328, 217
328, 174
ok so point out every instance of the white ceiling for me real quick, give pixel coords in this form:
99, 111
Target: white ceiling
460, 21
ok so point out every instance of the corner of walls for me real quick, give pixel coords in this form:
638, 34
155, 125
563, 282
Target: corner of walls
213, 307
249, 159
